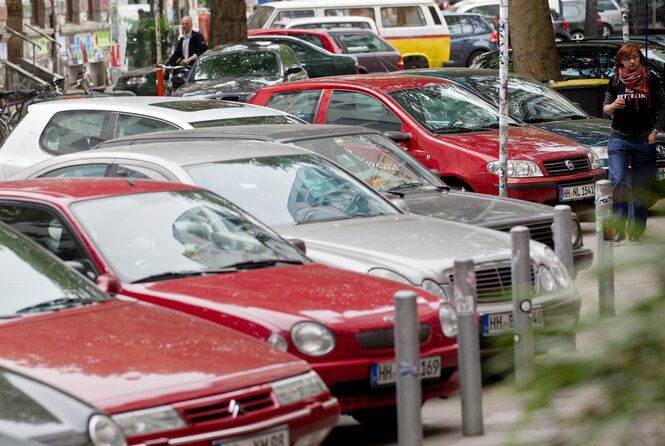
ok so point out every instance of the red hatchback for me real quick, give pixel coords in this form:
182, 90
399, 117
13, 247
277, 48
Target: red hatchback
450, 130
185, 248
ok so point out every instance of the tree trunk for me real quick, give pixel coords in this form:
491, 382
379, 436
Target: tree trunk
590, 24
532, 39
228, 22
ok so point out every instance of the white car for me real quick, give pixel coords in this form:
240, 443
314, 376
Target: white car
59, 127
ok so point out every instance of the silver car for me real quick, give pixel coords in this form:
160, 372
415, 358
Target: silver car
345, 223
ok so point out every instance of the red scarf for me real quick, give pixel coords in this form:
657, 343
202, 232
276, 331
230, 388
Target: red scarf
637, 80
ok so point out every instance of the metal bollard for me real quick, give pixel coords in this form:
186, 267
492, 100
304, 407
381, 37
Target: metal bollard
468, 348
523, 327
563, 235
409, 396
604, 233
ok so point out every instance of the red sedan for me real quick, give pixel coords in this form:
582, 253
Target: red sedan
185, 248
450, 130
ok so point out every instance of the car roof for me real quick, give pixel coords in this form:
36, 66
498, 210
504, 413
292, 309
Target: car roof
74, 189
243, 47
264, 132
380, 81
286, 38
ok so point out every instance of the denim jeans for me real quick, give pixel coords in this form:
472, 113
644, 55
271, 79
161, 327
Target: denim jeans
631, 186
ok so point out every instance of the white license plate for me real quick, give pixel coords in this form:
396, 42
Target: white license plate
274, 438
501, 323
660, 173
579, 192
386, 372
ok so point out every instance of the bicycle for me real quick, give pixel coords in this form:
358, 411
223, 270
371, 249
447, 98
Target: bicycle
175, 72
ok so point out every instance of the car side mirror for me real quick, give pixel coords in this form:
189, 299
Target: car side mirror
82, 267
109, 284
298, 243
293, 69
398, 136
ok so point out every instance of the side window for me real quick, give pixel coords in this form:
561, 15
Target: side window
74, 131
140, 172
355, 12
301, 52
465, 25
350, 108
288, 57
605, 5
435, 15
44, 228
128, 125
314, 40
479, 26
85, 170
402, 16
302, 104
454, 25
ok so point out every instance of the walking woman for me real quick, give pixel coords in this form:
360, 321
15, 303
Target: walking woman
636, 103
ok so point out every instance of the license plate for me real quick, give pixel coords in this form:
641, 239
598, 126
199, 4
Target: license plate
275, 438
578, 192
501, 323
386, 372
660, 173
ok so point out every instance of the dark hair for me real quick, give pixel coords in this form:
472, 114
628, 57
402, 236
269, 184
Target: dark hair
628, 49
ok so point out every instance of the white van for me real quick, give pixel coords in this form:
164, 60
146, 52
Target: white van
415, 27
329, 23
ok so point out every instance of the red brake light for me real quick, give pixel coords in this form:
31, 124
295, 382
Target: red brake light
494, 36
400, 63
599, 21
566, 25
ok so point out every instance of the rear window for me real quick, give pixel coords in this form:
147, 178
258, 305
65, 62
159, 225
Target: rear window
247, 120
362, 43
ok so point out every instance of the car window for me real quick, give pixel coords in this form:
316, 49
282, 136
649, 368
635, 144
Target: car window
85, 170
356, 12
74, 131
605, 5
398, 16
362, 43
459, 25
302, 104
44, 228
255, 63
140, 172
351, 108
288, 56
480, 26
128, 125
586, 62
247, 120
435, 15
314, 40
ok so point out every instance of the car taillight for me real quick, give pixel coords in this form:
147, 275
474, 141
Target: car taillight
599, 21
566, 25
356, 68
494, 36
400, 63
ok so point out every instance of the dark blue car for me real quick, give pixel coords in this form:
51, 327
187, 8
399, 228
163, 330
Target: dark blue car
470, 36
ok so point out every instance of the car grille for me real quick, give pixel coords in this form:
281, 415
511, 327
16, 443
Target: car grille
385, 337
540, 231
232, 406
494, 282
561, 167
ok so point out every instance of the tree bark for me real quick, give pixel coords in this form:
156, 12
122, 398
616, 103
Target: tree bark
532, 39
590, 24
228, 22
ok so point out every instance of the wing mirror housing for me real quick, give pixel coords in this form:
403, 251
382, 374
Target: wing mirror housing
298, 243
398, 136
109, 284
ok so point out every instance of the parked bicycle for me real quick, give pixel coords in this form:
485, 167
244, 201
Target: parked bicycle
175, 76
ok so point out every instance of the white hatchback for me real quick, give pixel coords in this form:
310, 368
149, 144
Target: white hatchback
58, 127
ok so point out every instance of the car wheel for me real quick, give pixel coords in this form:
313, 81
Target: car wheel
377, 416
473, 57
413, 63
577, 35
456, 184
607, 30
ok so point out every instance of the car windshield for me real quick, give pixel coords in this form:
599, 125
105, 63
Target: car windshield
374, 159
447, 109
362, 43
289, 190
235, 64
177, 232
34, 281
528, 100
248, 120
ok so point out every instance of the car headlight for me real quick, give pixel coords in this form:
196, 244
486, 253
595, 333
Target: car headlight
448, 320
278, 341
312, 338
601, 155
105, 432
546, 278
516, 168
556, 267
148, 421
432, 287
594, 159
136, 80
298, 388
390, 275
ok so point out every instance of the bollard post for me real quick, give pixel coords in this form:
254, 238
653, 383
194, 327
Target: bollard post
604, 233
468, 348
521, 274
563, 236
407, 356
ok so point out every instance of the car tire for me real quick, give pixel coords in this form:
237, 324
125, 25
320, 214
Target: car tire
456, 184
577, 35
473, 56
415, 62
376, 416
607, 30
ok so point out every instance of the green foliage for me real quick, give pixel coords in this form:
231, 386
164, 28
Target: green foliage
142, 44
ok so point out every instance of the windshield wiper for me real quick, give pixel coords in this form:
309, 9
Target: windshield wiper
256, 264
183, 274
554, 118
401, 188
55, 304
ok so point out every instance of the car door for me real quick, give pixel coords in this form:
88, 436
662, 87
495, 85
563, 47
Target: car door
304, 104
461, 39
356, 108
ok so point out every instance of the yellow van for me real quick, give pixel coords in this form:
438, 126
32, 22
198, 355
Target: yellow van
415, 27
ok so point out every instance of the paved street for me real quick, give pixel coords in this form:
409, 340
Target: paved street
501, 406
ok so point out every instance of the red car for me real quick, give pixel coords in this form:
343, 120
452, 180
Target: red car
163, 376
316, 37
185, 248
450, 130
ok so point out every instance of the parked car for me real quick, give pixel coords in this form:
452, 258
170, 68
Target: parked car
574, 11
161, 375
470, 36
185, 248
451, 130
330, 22
318, 37
343, 223
54, 128
610, 13
36, 413
141, 81
387, 168
316, 61
236, 71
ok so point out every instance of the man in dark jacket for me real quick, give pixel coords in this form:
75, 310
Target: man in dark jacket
190, 46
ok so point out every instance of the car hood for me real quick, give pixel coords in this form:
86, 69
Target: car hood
278, 297
591, 132
525, 143
234, 85
416, 246
475, 209
125, 355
